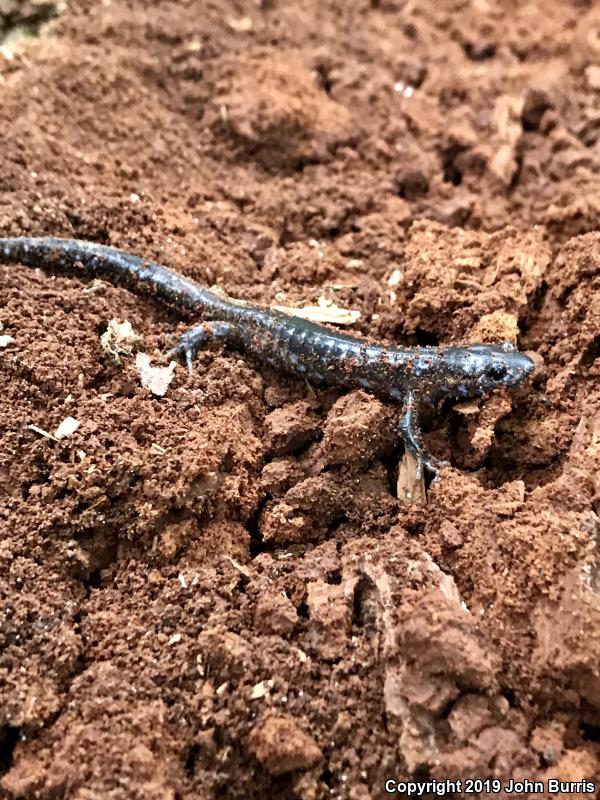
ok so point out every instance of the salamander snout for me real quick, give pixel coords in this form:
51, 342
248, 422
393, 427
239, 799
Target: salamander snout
502, 366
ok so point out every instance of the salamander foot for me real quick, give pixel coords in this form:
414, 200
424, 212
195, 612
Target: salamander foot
433, 464
199, 337
411, 434
183, 353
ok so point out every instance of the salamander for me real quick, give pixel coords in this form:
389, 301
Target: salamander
407, 375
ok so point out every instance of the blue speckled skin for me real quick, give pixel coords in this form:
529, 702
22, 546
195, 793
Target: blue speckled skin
406, 375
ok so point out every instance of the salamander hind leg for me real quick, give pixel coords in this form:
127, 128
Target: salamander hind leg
411, 434
201, 336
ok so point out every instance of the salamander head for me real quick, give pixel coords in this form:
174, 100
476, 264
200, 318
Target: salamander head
478, 369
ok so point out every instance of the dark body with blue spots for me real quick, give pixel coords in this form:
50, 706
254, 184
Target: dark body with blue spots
406, 375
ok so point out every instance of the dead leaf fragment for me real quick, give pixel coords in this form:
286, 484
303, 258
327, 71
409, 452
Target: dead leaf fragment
325, 311
395, 278
155, 379
41, 432
468, 407
240, 24
261, 689
67, 427
507, 121
119, 339
409, 488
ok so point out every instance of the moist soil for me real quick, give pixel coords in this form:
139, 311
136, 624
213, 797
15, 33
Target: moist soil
221, 592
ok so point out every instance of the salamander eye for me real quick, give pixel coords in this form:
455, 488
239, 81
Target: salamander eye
496, 372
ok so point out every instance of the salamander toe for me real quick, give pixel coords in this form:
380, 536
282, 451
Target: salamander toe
183, 351
435, 466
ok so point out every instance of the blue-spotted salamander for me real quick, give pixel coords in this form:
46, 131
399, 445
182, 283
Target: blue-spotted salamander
409, 376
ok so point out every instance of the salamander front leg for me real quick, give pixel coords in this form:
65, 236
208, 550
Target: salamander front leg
411, 434
201, 336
